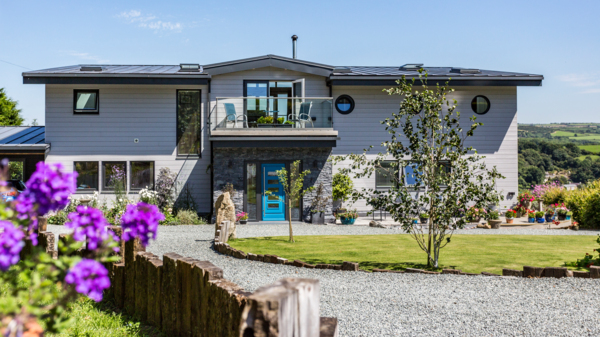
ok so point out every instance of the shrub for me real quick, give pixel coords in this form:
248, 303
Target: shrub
493, 215
555, 195
531, 214
149, 196
342, 186
539, 214
510, 214
579, 202
424, 216
164, 187
189, 217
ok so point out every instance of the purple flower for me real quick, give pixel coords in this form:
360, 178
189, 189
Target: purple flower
141, 221
11, 243
48, 189
89, 222
90, 278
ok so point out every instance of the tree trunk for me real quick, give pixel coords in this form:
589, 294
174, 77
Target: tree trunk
290, 221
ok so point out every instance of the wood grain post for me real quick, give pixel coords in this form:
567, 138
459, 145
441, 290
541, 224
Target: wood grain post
184, 280
141, 285
202, 273
47, 241
155, 266
131, 248
118, 230
170, 294
42, 224
286, 308
118, 284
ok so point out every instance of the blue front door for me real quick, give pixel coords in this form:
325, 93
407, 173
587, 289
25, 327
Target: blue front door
273, 205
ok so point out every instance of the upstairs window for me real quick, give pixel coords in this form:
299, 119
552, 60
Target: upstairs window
188, 122
85, 102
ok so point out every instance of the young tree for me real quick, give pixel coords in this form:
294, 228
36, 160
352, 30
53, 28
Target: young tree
9, 114
293, 187
432, 169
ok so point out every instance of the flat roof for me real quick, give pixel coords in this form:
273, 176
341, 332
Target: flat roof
337, 75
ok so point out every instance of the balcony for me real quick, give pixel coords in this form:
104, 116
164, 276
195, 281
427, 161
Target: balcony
265, 119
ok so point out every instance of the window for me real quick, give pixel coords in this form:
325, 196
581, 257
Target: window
257, 107
344, 104
142, 175
480, 105
383, 177
85, 102
87, 175
411, 174
188, 122
114, 175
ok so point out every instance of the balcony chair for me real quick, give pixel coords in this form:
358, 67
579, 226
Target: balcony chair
303, 116
232, 116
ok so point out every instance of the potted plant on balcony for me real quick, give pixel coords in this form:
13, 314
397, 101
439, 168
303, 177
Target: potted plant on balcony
510, 216
531, 216
539, 216
318, 205
242, 218
494, 219
265, 122
424, 217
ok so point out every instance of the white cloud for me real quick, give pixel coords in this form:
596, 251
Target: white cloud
149, 21
87, 56
589, 81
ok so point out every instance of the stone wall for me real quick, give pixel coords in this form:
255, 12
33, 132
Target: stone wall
228, 166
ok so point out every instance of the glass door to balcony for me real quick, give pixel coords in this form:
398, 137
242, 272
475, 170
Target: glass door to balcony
282, 107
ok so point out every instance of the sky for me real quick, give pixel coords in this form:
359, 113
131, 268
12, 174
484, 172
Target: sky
557, 39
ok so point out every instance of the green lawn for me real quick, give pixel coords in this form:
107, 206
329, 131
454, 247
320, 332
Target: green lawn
470, 253
562, 134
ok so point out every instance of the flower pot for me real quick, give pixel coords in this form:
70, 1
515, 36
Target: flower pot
495, 224
415, 222
424, 221
243, 222
531, 220
540, 220
474, 219
549, 217
318, 218
567, 217
562, 217
510, 220
347, 221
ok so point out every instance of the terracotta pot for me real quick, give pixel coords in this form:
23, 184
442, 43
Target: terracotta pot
510, 220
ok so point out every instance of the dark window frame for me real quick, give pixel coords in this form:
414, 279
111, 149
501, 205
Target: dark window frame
384, 188
352, 104
86, 111
87, 190
188, 155
109, 189
131, 188
473, 104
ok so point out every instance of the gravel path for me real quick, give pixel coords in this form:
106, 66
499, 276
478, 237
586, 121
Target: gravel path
376, 304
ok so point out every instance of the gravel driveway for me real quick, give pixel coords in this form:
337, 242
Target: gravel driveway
378, 304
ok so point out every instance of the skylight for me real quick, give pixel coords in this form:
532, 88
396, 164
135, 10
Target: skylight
90, 68
470, 71
190, 67
412, 66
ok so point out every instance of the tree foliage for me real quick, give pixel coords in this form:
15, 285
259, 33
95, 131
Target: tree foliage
426, 136
9, 114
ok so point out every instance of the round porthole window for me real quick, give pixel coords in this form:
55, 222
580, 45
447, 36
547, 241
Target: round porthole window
480, 105
344, 104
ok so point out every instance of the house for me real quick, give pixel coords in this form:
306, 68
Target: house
238, 122
25, 145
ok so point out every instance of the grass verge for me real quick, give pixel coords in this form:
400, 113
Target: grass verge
470, 253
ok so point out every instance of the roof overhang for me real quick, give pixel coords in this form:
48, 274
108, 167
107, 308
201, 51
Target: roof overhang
529, 81
258, 137
269, 61
114, 79
24, 147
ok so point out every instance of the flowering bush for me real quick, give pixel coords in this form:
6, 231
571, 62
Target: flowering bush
561, 209
531, 214
241, 216
476, 212
149, 196
526, 197
510, 214
584, 202
34, 285
165, 184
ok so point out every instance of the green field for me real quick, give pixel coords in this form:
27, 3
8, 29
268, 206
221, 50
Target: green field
586, 137
593, 156
470, 253
562, 134
592, 148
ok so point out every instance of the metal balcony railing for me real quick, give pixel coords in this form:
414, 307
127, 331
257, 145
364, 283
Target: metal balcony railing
272, 112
